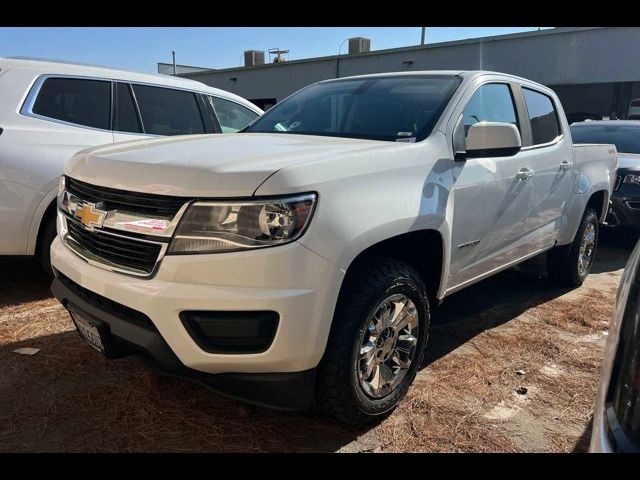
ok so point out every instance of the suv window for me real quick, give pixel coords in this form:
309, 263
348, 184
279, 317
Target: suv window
232, 116
74, 100
166, 111
543, 116
492, 102
126, 118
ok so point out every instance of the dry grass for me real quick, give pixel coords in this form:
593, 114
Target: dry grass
588, 314
68, 398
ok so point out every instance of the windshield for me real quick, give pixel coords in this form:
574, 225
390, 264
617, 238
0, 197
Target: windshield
626, 138
378, 108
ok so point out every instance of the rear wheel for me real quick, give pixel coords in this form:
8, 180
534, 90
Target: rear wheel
569, 265
379, 332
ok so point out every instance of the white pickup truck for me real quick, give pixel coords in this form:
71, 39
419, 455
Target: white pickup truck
297, 263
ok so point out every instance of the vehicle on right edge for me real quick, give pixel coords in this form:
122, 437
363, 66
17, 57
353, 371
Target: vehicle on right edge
297, 263
616, 421
625, 135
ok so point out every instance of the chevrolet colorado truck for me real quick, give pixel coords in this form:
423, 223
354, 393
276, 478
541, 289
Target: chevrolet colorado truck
297, 263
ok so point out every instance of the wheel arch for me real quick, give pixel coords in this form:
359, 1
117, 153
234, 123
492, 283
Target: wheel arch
422, 249
599, 201
46, 209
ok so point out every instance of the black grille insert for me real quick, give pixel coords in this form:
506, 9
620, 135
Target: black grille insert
134, 202
109, 306
120, 251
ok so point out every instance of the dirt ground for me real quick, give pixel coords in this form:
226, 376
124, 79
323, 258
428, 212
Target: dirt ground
512, 365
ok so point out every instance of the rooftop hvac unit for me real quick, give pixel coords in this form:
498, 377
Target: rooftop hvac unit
253, 57
359, 45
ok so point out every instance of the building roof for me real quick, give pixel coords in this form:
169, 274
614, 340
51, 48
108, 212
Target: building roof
493, 38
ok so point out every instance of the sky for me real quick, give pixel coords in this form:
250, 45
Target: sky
140, 48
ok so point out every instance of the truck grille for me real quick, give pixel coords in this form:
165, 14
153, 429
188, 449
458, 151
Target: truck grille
125, 253
134, 202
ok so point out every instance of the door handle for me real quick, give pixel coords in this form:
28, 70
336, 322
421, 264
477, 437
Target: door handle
565, 165
524, 174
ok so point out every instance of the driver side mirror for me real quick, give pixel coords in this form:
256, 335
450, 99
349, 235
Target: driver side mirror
489, 139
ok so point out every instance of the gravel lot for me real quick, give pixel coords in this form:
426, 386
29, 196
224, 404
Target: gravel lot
512, 365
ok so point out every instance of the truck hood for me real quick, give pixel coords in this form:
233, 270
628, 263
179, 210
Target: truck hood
217, 165
629, 161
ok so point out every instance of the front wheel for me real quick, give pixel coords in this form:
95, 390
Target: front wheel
569, 265
379, 332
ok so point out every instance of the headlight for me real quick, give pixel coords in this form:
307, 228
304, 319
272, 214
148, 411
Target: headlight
632, 179
213, 227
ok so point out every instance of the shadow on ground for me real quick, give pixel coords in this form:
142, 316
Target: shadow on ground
505, 296
69, 398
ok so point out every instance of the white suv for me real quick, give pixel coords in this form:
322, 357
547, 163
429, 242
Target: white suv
51, 110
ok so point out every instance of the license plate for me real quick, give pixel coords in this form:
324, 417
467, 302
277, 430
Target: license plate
87, 330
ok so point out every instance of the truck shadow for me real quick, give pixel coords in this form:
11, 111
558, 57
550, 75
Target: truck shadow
505, 296
22, 280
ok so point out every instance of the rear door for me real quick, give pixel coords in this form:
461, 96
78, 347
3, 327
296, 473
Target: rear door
550, 154
491, 203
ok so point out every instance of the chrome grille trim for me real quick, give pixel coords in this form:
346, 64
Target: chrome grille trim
117, 243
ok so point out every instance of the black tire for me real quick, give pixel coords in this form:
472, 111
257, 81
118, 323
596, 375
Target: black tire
338, 390
562, 261
43, 249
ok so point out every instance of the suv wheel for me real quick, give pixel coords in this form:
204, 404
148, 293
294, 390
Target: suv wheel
45, 238
377, 339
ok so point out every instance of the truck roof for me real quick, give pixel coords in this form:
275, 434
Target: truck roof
460, 73
54, 67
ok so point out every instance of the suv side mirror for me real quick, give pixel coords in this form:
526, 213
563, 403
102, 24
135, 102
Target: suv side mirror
492, 139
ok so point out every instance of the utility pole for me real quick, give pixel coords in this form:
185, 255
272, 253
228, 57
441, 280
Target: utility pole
424, 35
173, 53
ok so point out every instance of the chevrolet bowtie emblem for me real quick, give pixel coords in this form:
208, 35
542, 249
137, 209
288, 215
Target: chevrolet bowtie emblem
90, 216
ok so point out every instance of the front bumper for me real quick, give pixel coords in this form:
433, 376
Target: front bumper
299, 285
624, 211
284, 391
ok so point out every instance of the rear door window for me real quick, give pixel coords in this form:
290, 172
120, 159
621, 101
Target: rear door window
126, 117
232, 116
542, 115
166, 111
74, 100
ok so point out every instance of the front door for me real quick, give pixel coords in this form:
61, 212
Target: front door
492, 197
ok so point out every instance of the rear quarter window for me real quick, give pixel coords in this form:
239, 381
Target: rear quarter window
232, 116
79, 101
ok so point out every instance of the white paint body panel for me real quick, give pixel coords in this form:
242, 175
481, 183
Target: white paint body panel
33, 151
368, 191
